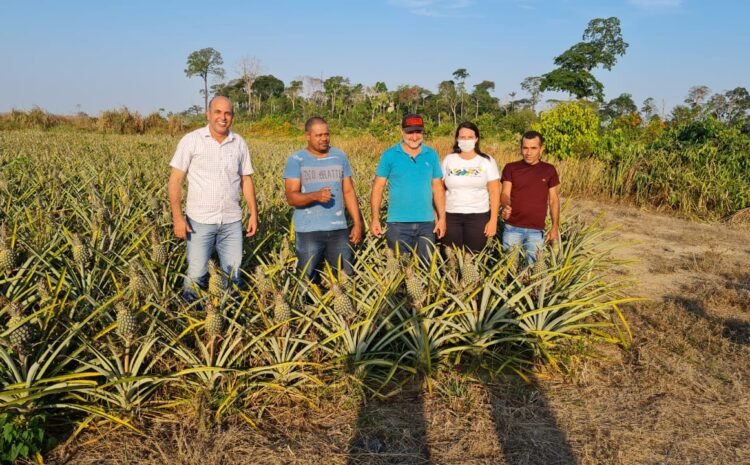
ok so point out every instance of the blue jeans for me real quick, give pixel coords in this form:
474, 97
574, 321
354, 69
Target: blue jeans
314, 246
530, 239
226, 239
412, 236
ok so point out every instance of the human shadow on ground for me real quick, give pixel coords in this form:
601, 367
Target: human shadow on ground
526, 427
392, 431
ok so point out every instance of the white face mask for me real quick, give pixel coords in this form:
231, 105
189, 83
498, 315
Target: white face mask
467, 145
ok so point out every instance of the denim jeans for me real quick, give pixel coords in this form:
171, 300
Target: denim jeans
530, 239
314, 246
411, 236
226, 239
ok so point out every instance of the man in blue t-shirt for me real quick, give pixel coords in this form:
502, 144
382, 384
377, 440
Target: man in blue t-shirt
416, 196
318, 183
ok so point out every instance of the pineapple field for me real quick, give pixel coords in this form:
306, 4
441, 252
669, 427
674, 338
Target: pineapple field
99, 351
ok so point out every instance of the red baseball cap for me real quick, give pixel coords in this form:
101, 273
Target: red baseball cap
412, 122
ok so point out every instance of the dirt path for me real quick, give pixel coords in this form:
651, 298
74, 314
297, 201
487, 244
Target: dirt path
671, 254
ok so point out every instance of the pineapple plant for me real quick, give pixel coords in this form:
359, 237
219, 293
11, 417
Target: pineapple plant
342, 305
285, 252
43, 291
414, 288
158, 251
262, 283
469, 274
452, 260
138, 283
214, 322
281, 310
392, 266
81, 251
217, 283
127, 323
21, 337
540, 265
7, 254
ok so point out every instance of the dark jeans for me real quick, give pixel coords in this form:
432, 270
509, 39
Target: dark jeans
466, 230
314, 246
411, 236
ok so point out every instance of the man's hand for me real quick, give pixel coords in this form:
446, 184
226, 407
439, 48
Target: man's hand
440, 228
375, 228
506, 211
181, 227
252, 226
553, 234
355, 235
324, 195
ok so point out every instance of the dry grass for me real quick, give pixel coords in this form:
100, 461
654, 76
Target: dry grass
679, 395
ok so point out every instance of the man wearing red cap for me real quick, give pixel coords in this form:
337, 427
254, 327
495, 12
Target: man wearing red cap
416, 197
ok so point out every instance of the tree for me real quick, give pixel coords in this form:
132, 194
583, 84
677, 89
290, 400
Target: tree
448, 95
268, 86
532, 85
483, 101
602, 44
410, 97
379, 98
649, 109
580, 83
203, 63
738, 102
293, 91
335, 85
619, 107
234, 90
696, 96
249, 69
605, 39
460, 75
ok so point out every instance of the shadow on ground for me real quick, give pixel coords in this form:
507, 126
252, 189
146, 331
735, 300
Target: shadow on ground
526, 427
392, 431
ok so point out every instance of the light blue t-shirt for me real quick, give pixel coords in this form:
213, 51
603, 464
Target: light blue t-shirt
314, 174
409, 183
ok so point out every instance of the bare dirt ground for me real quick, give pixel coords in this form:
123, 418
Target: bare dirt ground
679, 395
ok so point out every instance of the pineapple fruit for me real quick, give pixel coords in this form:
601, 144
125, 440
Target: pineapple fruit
217, 283
127, 323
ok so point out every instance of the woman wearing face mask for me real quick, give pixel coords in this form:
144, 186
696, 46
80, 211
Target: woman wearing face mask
472, 198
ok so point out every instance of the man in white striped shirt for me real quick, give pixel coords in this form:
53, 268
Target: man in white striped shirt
217, 165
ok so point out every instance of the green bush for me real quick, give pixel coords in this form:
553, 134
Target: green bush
22, 436
570, 130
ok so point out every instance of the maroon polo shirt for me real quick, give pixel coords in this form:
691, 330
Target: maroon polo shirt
529, 193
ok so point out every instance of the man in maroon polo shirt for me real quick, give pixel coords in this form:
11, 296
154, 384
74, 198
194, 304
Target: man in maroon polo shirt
530, 186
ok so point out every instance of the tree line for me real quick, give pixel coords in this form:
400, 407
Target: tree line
258, 96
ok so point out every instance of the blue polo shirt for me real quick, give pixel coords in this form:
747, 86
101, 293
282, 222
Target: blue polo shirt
314, 174
409, 183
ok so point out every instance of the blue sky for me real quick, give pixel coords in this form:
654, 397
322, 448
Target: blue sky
66, 56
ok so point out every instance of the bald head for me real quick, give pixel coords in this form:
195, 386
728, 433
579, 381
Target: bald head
219, 116
219, 98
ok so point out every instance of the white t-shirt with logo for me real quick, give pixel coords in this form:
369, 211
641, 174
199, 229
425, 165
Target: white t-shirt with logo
466, 183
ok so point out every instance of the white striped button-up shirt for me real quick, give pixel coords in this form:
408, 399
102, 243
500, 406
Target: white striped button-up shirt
213, 173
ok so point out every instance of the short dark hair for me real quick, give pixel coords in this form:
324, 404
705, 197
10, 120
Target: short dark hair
473, 127
533, 135
312, 121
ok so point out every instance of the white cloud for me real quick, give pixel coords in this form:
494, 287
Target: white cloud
653, 4
436, 8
